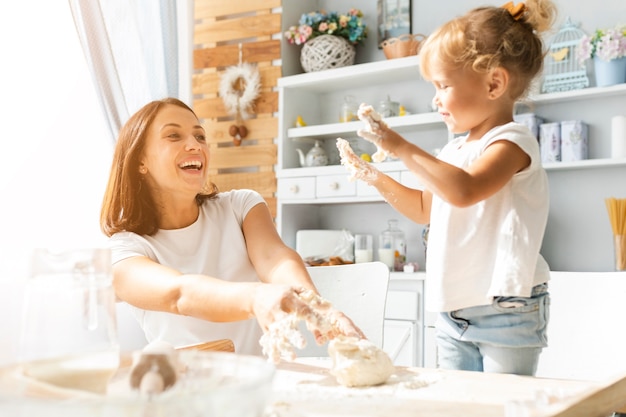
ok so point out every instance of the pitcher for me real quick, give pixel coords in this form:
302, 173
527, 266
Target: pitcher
69, 329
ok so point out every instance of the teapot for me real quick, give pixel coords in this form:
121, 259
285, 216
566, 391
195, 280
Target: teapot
316, 157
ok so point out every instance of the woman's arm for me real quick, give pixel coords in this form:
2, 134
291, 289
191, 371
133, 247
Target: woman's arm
277, 263
274, 261
146, 284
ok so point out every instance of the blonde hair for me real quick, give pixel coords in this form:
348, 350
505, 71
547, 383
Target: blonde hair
491, 37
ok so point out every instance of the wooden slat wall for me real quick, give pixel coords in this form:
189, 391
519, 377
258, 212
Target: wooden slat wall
221, 25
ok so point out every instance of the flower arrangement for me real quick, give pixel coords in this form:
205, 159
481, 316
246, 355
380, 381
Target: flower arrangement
605, 44
349, 26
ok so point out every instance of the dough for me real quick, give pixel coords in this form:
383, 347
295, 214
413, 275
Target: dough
355, 362
373, 133
358, 362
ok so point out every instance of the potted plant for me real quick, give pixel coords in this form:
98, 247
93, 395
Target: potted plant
607, 48
328, 39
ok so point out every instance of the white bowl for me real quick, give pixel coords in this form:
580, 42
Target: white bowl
210, 384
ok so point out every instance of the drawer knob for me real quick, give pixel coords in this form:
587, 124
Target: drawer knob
333, 186
294, 189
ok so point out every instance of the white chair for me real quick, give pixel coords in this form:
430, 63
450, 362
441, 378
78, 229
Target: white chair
358, 290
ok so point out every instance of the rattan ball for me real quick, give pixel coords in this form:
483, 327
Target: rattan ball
326, 52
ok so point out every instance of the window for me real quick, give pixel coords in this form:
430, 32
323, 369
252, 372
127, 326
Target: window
56, 149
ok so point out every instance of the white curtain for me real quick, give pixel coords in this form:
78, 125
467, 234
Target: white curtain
132, 50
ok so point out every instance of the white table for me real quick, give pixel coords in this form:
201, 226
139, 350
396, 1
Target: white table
308, 390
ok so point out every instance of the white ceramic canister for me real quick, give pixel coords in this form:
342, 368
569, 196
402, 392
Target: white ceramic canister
574, 141
550, 142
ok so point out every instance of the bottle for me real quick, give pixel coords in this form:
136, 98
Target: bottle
392, 247
349, 110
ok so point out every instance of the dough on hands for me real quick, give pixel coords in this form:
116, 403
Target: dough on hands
358, 362
283, 336
374, 130
358, 168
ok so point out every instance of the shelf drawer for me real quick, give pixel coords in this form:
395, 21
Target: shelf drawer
365, 190
295, 188
334, 186
402, 305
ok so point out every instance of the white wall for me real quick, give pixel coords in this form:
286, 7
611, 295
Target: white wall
55, 153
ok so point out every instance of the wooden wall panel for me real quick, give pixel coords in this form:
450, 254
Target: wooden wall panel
244, 27
204, 9
225, 32
222, 56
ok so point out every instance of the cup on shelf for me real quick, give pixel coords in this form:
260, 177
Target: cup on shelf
363, 248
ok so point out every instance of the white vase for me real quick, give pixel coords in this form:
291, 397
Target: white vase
610, 72
326, 52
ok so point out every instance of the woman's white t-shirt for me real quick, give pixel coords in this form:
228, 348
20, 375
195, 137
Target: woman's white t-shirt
492, 247
214, 245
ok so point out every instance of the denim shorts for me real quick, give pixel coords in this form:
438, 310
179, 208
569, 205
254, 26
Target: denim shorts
508, 322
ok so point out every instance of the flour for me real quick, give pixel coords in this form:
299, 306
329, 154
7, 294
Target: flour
355, 362
283, 335
358, 168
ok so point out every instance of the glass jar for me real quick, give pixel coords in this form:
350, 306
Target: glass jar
388, 108
349, 110
392, 247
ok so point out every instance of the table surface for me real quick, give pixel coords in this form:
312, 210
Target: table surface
306, 389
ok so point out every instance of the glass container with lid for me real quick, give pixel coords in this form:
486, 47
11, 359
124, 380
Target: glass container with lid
392, 247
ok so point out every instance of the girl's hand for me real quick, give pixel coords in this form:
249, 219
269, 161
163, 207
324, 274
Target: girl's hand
358, 168
375, 128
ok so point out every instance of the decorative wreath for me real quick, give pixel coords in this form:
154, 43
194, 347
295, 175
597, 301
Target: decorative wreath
239, 87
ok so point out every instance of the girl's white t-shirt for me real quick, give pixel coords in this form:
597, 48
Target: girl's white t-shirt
492, 247
214, 245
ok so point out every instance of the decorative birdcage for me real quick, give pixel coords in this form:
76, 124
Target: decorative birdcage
562, 71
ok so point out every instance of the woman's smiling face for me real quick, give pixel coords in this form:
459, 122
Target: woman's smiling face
176, 154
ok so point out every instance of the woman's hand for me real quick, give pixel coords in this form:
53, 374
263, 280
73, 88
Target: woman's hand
273, 302
279, 308
340, 325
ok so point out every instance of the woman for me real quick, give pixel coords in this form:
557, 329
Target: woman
195, 264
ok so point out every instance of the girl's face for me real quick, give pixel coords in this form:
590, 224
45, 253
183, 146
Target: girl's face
461, 97
176, 154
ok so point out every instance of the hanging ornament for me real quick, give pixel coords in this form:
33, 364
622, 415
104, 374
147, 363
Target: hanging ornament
239, 87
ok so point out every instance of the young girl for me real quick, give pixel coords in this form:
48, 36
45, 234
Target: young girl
485, 195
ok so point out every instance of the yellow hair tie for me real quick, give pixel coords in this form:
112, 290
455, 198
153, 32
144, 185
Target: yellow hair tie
516, 11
